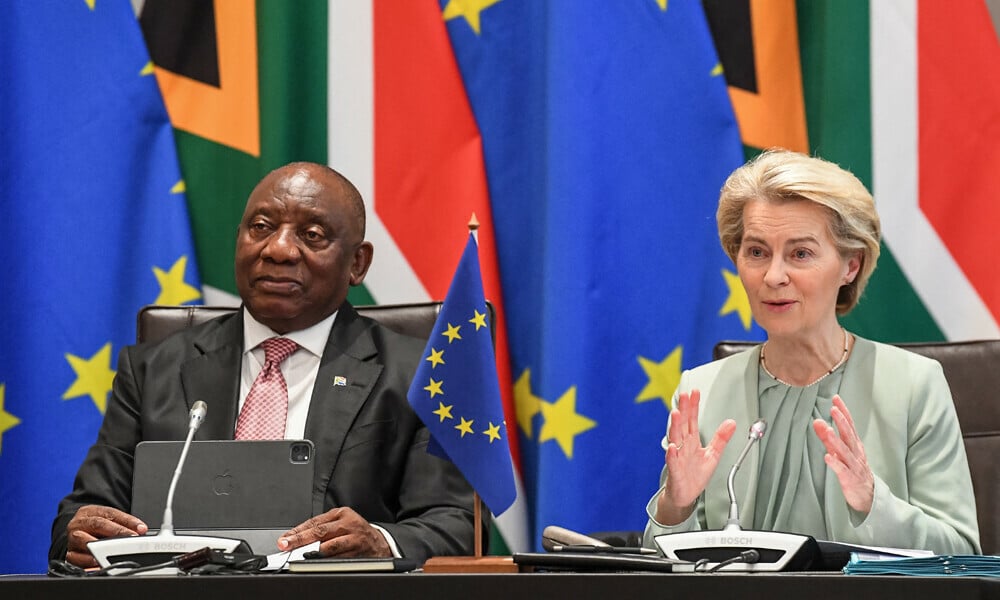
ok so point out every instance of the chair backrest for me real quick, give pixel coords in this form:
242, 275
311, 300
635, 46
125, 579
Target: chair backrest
972, 369
157, 322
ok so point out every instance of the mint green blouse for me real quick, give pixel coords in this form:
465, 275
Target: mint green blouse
903, 412
792, 470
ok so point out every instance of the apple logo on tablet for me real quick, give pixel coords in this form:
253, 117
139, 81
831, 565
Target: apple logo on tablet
223, 484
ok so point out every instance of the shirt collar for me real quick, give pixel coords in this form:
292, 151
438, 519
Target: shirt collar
312, 338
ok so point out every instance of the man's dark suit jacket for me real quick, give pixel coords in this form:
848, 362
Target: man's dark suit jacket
370, 445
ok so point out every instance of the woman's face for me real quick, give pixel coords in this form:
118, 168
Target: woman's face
791, 269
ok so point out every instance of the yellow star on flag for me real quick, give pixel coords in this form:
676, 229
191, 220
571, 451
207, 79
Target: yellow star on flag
147, 69
493, 431
479, 320
434, 387
90, 3
436, 358
526, 404
468, 9
173, 289
9, 421
465, 426
444, 412
737, 301
179, 188
662, 4
452, 333
563, 423
93, 377
663, 377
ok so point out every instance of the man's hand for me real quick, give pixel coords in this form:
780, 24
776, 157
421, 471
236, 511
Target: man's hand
94, 522
342, 532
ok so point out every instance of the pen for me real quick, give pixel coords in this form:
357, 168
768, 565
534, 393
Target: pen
590, 549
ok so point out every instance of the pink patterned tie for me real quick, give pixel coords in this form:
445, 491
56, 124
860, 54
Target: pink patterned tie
266, 407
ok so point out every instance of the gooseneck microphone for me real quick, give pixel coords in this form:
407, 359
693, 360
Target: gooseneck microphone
165, 545
196, 416
560, 539
553, 536
756, 432
734, 549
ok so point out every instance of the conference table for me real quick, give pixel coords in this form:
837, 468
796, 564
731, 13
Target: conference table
514, 586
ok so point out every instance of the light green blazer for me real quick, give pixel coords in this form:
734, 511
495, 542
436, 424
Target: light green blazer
903, 411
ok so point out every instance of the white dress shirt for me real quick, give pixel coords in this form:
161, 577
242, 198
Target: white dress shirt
299, 370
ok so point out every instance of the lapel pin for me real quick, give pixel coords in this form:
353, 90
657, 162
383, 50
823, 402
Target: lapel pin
339, 380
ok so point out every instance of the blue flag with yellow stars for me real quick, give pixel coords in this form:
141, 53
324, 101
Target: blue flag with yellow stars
607, 133
455, 391
95, 226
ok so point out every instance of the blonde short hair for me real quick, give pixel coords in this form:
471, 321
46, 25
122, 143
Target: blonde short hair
779, 176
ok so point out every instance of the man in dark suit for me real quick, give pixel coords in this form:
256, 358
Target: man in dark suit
376, 491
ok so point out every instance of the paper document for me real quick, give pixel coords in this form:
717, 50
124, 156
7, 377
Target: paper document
959, 565
279, 560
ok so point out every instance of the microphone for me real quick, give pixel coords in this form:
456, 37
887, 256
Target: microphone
756, 432
560, 539
165, 545
732, 548
553, 536
196, 416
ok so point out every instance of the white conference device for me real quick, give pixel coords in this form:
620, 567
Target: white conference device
164, 545
775, 551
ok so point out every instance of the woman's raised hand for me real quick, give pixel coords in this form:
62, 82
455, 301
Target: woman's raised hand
689, 465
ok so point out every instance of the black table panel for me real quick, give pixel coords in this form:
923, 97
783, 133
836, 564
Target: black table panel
575, 586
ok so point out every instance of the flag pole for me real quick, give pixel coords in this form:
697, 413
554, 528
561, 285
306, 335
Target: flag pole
477, 516
477, 505
474, 227
477, 563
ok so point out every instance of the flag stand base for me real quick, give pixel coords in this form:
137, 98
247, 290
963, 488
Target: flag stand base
470, 564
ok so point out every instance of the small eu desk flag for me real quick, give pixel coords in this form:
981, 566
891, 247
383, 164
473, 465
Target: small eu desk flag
455, 391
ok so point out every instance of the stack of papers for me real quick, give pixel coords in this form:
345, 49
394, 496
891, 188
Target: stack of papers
961, 565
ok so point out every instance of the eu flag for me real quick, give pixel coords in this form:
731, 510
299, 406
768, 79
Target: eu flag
95, 226
455, 391
607, 133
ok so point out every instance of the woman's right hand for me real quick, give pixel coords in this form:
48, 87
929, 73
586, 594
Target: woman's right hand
689, 465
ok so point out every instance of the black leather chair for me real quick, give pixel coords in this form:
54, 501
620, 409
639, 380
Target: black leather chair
156, 322
972, 369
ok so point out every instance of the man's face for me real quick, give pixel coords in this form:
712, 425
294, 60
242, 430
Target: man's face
299, 248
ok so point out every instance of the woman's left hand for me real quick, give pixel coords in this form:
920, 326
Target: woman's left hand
845, 454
